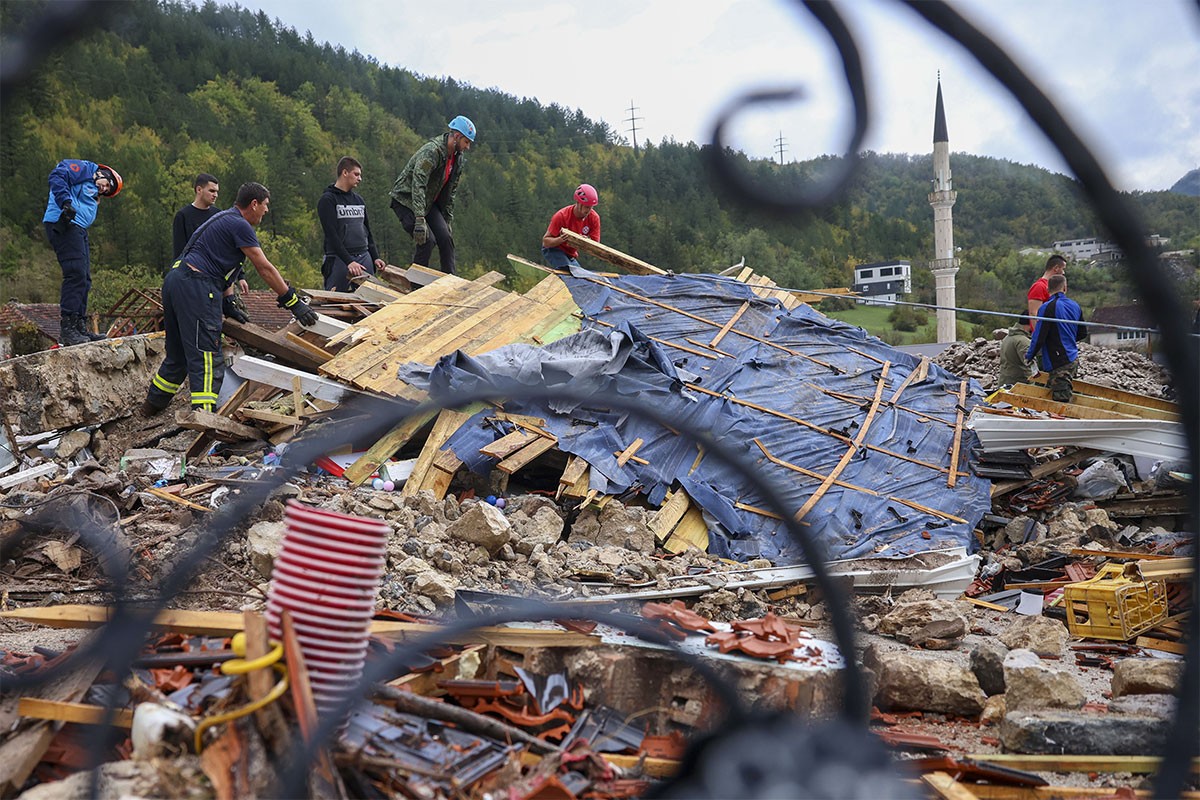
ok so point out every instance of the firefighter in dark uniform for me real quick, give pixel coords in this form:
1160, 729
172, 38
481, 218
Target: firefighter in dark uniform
199, 290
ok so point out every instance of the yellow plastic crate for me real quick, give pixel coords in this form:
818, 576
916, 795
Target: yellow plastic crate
1112, 606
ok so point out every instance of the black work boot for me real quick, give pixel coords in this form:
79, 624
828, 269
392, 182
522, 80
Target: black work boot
148, 409
70, 330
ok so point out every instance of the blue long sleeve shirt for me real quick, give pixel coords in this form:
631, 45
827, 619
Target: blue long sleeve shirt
1054, 339
73, 180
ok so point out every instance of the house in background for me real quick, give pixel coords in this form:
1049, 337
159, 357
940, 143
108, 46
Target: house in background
27, 328
1130, 316
882, 281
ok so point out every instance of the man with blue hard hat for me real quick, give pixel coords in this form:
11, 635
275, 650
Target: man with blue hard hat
423, 195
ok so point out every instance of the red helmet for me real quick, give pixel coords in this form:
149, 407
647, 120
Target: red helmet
586, 195
114, 180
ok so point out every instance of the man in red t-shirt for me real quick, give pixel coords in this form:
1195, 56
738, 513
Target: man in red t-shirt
581, 217
1039, 292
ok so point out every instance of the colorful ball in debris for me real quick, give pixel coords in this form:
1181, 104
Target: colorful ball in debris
377, 484
501, 502
389, 486
491, 499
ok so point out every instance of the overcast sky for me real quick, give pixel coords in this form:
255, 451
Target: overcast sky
1125, 73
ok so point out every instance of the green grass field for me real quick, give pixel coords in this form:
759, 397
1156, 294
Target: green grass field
875, 320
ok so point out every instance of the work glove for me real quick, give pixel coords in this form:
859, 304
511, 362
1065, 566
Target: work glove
300, 310
233, 307
420, 231
63, 224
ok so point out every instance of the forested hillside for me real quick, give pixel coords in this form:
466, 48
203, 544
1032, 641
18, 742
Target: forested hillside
164, 90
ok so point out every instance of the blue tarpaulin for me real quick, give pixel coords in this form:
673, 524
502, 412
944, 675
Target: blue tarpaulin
795, 385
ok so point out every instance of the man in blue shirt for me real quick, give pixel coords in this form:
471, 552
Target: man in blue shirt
1054, 339
199, 290
75, 187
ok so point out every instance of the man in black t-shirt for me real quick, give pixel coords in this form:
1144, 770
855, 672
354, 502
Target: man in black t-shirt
194, 214
349, 246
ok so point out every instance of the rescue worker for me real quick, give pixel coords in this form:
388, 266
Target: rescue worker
75, 186
1014, 368
199, 290
1055, 337
582, 218
423, 195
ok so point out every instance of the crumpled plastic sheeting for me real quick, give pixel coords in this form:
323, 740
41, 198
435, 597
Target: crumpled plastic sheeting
817, 374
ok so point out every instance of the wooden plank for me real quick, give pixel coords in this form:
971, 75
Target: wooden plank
1112, 393
446, 460
386, 447
690, 532
985, 604
526, 454
259, 682
242, 394
376, 292
271, 342
850, 451
80, 713
425, 683
218, 426
491, 278
1103, 404
576, 466
262, 415
1054, 763
324, 776
160, 494
628, 453
280, 376
728, 326
579, 488
946, 787
1062, 409
448, 421
663, 521
610, 255
987, 791
319, 354
508, 444
958, 427
419, 275
1161, 645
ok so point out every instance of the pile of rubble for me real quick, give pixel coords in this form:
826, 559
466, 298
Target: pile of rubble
985, 657
1106, 366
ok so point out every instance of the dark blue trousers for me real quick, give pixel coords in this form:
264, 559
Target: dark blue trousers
192, 321
71, 248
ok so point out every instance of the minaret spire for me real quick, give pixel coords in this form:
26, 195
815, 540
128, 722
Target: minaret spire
944, 264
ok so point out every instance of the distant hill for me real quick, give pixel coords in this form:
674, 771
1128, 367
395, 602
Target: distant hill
226, 90
1189, 184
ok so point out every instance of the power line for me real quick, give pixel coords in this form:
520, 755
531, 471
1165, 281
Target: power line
780, 147
633, 121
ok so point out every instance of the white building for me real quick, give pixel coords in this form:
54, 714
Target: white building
882, 281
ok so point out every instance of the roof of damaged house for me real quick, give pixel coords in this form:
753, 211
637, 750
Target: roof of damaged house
864, 442
43, 316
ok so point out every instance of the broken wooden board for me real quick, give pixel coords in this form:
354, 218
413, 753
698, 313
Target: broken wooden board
1054, 407
610, 255
447, 315
1101, 403
274, 342
424, 474
690, 532
227, 623
663, 521
523, 457
217, 426
386, 447
280, 376
80, 713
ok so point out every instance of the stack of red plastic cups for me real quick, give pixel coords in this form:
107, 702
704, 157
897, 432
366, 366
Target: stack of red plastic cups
327, 574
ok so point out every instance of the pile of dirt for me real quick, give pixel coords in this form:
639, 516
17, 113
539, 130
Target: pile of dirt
1105, 366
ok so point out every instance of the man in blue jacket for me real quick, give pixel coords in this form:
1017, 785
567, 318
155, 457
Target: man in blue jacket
75, 187
1054, 339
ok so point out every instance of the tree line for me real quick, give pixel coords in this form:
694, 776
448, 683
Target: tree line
163, 90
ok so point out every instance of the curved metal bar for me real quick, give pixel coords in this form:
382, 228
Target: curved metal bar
723, 163
1162, 301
